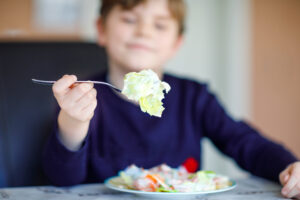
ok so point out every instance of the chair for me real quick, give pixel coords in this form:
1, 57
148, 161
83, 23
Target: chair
26, 109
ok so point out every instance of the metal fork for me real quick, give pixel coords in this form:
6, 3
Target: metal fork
44, 82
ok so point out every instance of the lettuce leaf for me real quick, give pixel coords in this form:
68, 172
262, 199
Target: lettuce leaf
146, 88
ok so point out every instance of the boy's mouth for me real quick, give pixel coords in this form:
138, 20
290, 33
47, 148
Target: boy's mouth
143, 47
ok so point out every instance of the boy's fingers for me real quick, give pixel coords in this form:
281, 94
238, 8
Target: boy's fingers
90, 107
292, 188
85, 100
78, 91
294, 191
289, 186
73, 85
283, 175
89, 110
61, 86
286, 178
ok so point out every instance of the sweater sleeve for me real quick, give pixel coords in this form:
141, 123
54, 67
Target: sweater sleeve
253, 152
62, 166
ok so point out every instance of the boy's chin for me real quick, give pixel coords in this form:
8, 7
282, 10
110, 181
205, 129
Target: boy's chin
139, 67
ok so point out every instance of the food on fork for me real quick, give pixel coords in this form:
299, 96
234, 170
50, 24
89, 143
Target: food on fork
146, 88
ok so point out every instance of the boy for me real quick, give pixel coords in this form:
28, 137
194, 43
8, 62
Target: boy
99, 134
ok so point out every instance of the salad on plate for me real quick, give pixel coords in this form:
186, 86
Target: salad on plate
163, 178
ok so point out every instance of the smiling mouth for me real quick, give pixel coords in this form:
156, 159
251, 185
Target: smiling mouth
140, 47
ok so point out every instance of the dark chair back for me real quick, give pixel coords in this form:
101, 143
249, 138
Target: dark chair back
27, 109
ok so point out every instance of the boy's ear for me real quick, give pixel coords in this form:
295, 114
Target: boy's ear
101, 37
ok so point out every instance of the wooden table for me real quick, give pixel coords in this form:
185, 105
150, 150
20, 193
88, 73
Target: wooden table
251, 188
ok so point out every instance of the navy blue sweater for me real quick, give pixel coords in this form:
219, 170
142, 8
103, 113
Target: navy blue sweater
120, 134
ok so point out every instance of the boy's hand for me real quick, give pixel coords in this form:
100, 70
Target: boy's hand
290, 179
77, 103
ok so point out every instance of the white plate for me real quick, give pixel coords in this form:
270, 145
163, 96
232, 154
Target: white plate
113, 183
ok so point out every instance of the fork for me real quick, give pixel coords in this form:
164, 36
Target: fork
44, 82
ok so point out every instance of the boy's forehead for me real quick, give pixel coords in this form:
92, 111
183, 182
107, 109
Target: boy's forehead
158, 8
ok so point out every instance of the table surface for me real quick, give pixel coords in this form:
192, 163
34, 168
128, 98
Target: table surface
249, 188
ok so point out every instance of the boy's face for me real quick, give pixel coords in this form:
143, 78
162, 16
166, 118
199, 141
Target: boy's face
144, 37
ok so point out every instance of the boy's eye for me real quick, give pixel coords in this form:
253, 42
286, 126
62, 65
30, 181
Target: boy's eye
160, 26
129, 20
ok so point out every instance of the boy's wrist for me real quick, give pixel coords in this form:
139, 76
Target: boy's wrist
72, 132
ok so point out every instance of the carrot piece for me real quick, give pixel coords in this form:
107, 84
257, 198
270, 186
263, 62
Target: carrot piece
151, 177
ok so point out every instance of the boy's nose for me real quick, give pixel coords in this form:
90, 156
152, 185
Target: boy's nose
144, 30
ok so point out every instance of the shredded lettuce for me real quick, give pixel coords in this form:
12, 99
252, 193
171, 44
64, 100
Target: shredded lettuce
205, 176
126, 178
146, 88
162, 189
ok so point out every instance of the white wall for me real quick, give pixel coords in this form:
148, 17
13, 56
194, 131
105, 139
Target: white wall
89, 15
217, 51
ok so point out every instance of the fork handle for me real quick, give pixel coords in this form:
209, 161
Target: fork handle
41, 82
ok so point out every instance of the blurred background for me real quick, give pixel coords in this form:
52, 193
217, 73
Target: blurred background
247, 50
